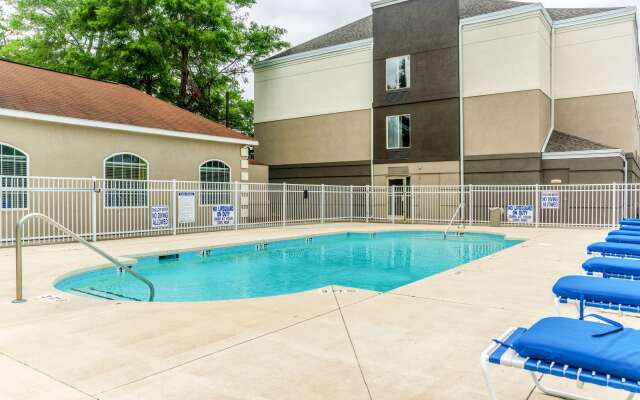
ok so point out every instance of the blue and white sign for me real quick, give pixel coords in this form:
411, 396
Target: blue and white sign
520, 214
223, 214
186, 207
550, 200
159, 217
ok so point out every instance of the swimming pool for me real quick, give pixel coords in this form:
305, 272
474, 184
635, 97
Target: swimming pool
374, 261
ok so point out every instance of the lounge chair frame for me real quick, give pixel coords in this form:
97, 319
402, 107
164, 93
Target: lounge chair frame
511, 359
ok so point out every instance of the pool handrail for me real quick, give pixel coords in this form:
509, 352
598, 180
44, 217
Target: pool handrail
455, 214
19, 230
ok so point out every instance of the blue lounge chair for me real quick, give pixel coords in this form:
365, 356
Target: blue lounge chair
615, 249
622, 232
612, 267
632, 228
604, 354
630, 221
606, 294
631, 239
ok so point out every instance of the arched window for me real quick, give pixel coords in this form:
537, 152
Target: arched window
126, 184
14, 167
215, 178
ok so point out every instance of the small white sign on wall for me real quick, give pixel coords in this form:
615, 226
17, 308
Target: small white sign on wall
520, 214
223, 214
186, 207
159, 217
550, 200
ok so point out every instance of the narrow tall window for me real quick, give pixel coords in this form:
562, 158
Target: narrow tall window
398, 73
13, 177
398, 132
215, 183
126, 184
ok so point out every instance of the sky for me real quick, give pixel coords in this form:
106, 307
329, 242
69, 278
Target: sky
306, 19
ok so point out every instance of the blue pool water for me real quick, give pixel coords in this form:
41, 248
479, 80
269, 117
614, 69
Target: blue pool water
380, 262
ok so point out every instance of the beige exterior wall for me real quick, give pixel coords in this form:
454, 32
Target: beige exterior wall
608, 119
72, 151
334, 83
320, 139
431, 173
508, 123
508, 55
258, 173
596, 59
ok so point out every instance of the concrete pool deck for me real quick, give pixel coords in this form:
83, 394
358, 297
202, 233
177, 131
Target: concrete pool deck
421, 341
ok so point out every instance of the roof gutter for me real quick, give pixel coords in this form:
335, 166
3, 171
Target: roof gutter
586, 19
27, 115
609, 153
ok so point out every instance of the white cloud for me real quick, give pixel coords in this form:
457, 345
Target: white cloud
306, 19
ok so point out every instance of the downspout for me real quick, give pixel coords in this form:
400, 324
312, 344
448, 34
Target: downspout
461, 116
551, 89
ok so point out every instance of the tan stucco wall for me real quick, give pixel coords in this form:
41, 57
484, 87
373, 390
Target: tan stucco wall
595, 59
427, 173
320, 139
608, 119
336, 82
507, 55
258, 173
72, 151
506, 123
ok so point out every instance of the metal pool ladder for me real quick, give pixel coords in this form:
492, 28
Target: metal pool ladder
455, 214
19, 231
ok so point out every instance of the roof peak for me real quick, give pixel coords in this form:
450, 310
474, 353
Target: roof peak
362, 28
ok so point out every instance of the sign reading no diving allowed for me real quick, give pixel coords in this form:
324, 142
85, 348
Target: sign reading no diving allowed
159, 217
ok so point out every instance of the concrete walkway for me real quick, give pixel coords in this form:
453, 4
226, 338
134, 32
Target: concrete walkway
421, 341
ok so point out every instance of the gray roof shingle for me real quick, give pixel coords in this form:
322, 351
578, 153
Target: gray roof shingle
560, 142
363, 28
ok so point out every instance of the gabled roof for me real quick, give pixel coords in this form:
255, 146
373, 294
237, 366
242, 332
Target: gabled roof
30, 89
560, 142
363, 28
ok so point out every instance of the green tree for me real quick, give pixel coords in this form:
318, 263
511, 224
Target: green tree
188, 52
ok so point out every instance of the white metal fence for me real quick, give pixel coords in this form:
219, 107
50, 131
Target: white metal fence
110, 209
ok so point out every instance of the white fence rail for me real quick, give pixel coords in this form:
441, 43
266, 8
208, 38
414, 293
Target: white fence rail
109, 209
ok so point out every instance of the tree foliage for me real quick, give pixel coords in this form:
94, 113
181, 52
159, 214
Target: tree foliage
188, 52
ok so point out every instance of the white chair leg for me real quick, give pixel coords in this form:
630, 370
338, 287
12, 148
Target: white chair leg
484, 365
555, 393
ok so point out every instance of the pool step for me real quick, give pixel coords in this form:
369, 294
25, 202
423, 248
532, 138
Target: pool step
102, 294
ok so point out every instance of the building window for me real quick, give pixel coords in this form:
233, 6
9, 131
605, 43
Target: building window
13, 177
398, 132
398, 73
215, 183
126, 181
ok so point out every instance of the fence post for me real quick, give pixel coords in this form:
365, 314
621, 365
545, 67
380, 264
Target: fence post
174, 206
412, 202
351, 203
393, 204
536, 215
237, 205
470, 204
322, 200
284, 204
369, 210
613, 205
94, 210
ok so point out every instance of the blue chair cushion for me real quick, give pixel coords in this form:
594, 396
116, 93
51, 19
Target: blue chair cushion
611, 265
623, 239
632, 228
571, 342
621, 232
616, 291
630, 221
615, 249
